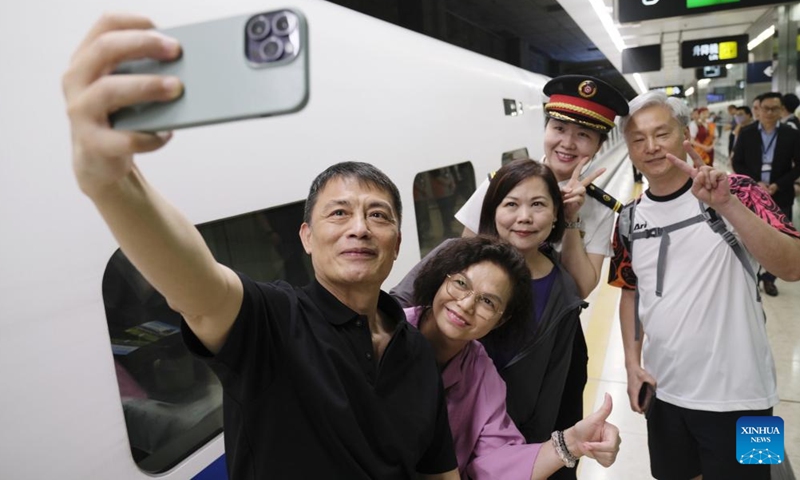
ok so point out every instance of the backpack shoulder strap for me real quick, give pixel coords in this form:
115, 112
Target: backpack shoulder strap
625, 236
625, 224
718, 225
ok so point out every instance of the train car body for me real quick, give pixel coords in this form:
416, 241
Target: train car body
378, 93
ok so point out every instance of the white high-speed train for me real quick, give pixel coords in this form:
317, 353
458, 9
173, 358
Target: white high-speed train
95, 383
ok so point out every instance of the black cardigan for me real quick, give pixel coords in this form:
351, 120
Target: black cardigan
536, 376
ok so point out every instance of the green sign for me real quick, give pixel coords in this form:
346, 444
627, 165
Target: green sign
638, 10
707, 3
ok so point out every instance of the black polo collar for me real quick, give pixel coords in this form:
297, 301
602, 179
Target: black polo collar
337, 313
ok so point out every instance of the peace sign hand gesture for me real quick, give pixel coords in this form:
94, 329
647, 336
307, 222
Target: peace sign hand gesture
573, 193
710, 186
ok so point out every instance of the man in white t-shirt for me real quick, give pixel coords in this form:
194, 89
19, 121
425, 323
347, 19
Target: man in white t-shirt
705, 347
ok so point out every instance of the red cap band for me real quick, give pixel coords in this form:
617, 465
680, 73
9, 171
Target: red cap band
582, 103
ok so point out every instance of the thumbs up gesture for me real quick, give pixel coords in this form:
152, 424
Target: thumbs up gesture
594, 437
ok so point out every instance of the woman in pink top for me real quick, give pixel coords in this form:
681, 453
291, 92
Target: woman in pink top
471, 288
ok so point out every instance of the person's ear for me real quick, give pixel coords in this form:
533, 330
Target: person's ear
305, 237
397, 247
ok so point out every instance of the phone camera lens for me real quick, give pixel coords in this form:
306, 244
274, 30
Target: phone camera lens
271, 49
284, 23
258, 27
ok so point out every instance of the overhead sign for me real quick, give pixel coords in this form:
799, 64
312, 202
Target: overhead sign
760, 72
671, 90
638, 10
714, 51
714, 71
641, 59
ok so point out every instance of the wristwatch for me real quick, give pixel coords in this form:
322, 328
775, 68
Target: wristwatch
576, 224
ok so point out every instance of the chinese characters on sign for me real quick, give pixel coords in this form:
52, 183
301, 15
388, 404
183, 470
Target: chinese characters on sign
714, 51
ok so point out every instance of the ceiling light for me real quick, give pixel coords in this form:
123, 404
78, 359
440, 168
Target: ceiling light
729, 66
600, 9
689, 92
703, 83
768, 33
640, 82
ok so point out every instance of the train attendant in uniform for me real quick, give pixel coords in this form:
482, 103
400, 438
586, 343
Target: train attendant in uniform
470, 289
312, 377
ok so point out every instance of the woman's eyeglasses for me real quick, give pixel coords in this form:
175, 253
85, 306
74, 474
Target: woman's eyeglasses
487, 306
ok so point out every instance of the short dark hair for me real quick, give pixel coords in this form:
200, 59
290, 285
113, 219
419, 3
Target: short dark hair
746, 110
506, 179
767, 95
459, 254
365, 173
791, 102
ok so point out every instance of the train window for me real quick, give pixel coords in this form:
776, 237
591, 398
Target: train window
438, 194
514, 155
172, 401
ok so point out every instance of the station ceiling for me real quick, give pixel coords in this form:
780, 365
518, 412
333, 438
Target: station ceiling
669, 33
568, 36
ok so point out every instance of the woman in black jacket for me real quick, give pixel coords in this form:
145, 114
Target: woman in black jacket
546, 370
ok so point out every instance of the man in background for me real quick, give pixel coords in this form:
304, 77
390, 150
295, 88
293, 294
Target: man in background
743, 118
789, 104
757, 108
769, 153
731, 126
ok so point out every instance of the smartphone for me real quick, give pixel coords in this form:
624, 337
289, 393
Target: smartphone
646, 398
234, 68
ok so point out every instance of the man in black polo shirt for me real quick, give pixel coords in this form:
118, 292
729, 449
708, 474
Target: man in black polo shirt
325, 381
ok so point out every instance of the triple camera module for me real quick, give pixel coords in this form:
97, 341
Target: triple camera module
272, 37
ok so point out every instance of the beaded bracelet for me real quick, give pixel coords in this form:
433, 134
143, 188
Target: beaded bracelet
561, 449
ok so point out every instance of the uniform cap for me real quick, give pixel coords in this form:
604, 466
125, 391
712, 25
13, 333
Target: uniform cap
584, 100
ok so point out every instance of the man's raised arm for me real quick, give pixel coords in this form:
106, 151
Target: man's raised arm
777, 252
164, 245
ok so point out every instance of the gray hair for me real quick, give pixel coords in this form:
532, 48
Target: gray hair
679, 110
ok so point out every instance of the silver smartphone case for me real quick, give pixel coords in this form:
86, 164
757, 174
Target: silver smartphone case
220, 83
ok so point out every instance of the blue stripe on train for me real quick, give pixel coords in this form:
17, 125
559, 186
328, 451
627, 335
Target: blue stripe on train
215, 471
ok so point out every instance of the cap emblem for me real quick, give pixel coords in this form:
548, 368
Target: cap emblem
587, 89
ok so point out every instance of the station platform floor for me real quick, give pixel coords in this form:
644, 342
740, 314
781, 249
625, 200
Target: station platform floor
607, 371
